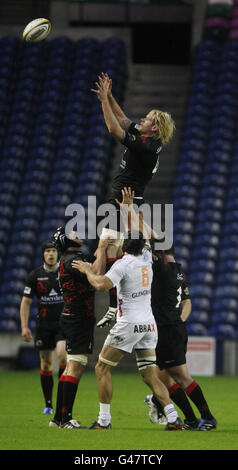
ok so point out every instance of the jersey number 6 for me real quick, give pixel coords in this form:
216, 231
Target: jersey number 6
145, 277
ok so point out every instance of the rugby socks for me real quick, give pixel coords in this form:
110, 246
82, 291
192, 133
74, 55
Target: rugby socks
47, 386
59, 399
195, 394
69, 393
179, 397
61, 370
171, 413
104, 417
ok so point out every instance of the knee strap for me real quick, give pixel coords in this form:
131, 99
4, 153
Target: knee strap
78, 358
107, 362
143, 362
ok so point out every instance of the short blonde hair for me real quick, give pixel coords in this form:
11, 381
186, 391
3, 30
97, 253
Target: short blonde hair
165, 124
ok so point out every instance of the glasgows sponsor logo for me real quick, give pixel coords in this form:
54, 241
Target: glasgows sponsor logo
144, 328
139, 294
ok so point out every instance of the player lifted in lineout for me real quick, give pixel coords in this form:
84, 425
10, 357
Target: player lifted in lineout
140, 161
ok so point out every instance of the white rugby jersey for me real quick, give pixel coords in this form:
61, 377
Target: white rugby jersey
132, 275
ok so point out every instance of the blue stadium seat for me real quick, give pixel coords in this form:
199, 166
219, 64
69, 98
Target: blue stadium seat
225, 304
9, 325
199, 316
206, 215
206, 239
202, 290
226, 318
226, 290
223, 331
227, 265
197, 329
204, 252
201, 277
188, 190
184, 239
213, 203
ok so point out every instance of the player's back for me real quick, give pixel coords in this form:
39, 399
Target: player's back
77, 292
134, 287
167, 291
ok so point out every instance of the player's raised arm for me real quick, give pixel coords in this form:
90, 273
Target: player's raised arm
123, 120
112, 123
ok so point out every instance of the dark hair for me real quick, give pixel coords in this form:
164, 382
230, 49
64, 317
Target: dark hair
48, 244
134, 244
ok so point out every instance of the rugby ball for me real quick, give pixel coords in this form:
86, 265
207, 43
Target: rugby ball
37, 30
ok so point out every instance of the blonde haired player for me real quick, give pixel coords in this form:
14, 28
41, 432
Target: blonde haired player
140, 161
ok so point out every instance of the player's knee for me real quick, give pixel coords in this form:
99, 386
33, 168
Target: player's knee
46, 364
104, 366
146, 363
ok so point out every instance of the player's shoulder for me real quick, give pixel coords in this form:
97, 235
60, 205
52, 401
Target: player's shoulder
37, 271
155, 145
133, 128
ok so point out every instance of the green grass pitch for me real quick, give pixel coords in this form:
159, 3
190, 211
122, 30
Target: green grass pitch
23, 427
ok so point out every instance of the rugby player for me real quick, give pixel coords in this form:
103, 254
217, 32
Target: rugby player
135, 327
143, 144
169, 291
44, 284
77, 320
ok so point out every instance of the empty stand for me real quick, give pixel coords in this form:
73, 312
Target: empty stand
54, 147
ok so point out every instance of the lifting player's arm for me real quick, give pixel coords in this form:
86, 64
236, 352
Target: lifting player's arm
99, 265
131, 219
24, 315
110, 118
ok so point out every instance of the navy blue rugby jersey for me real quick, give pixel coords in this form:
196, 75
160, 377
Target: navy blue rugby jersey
44, 284
169, 288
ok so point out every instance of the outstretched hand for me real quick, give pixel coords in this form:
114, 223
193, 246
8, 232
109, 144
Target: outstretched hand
127, 197
103, 87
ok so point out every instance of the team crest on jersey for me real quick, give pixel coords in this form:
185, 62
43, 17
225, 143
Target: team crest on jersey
117, 340
132, 137
180, 277
186, 291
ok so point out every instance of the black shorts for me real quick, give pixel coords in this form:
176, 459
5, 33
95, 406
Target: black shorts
47, 335
79, 334
172, 345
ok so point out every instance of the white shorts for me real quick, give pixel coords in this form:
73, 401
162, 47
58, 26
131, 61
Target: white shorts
128, 336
